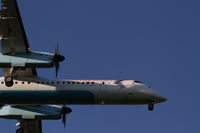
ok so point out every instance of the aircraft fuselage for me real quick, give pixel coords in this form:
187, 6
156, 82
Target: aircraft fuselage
40, 91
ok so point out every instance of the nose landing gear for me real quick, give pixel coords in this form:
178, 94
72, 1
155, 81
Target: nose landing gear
151, 106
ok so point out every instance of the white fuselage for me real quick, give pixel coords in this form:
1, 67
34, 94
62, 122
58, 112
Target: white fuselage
42, 91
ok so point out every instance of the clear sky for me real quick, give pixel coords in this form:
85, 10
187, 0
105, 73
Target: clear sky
153, 41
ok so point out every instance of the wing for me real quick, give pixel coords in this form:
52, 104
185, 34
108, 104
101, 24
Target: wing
30, 126
14, 39
30, 116
12, 34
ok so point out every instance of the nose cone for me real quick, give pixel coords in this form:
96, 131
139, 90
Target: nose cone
156, 97
153, 96
160, 98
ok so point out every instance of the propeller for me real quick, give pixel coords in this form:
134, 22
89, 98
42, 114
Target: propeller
57, 59
65, 110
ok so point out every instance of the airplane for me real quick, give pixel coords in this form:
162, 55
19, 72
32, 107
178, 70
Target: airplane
29, 98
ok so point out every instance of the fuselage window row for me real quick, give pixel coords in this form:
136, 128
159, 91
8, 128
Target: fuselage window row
58, 82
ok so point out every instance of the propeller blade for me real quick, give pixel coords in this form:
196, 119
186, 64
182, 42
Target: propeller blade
64, 120
57, 49
57, 58
57, 67
65, 110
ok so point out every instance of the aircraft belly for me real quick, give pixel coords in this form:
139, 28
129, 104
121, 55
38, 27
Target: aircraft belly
47, 97
74, 97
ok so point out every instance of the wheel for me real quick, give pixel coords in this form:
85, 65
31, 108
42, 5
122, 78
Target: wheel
19, 130
151, 107
9, 81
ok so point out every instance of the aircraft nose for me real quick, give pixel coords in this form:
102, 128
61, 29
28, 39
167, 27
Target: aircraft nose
155, 96
160, 98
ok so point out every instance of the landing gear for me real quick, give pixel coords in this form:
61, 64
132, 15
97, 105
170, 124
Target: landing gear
151, 107
20, 130
9, 81
9, 78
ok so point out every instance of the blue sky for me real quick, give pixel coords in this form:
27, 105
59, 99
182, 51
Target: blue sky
154, 41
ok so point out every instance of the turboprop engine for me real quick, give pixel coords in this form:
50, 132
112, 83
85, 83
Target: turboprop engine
31, 60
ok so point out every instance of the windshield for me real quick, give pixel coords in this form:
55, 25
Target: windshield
137, 81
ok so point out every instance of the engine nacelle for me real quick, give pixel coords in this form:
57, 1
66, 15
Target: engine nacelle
31, 60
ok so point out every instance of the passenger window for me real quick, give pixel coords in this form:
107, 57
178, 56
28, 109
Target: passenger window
92, 82
1, 82
77, 82
88, 82
38, 82
16, 82
29, 82
68, 82
103, 82
47, 83
58, 82
63, 82
72, 82
42, 82
52, 82
22, 82
83, 82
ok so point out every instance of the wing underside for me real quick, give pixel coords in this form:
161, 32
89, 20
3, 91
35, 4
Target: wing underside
14, 40
12, 34
30, 116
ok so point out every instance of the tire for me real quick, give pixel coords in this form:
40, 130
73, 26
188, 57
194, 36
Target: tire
151, 107
9, 81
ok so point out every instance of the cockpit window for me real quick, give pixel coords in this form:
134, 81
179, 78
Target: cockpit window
137, 81
118, 81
